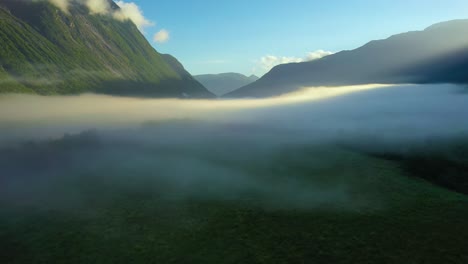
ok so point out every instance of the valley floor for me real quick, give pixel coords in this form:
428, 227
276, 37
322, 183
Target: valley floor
111, 203
367, 174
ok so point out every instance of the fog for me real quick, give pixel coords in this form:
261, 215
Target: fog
284, 152
384, 111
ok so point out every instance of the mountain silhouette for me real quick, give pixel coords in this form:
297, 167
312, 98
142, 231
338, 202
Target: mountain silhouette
223, 83
439, 54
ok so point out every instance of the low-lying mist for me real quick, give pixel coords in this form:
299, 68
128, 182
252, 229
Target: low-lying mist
407, 111
291, 151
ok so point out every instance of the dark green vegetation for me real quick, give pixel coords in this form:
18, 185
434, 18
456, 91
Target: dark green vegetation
119, 199
439, 54
46, 51
224, 83
443, 163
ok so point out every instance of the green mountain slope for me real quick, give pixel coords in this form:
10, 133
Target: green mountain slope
46, 51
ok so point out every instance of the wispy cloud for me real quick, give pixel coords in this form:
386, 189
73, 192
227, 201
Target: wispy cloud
131, 11
98, 6
61, 4
318, 54
161, 36
128, 10
266, 63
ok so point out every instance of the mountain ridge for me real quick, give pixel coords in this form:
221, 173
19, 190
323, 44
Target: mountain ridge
437, 54
47, 51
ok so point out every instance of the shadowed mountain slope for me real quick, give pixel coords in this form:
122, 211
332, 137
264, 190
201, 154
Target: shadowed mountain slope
439, 54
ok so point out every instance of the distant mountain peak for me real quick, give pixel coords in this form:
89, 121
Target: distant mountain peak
223, 83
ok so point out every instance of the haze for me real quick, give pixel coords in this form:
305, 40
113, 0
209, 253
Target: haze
399, 110
191, 133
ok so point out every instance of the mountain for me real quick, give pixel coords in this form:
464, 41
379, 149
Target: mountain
45, 50
223, 83
439, 54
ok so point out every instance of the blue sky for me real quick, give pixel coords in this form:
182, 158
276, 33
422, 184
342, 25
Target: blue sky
213, 36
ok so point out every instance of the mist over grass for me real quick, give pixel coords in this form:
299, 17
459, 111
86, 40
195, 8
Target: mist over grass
407, 112
266, 151
320, 174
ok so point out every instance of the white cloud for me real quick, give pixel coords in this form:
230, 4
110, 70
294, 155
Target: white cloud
162, 36
127, 11
61, 4
318, 54
268, 62
131, 11
98, 6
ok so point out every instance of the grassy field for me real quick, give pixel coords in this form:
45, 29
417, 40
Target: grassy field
88, 200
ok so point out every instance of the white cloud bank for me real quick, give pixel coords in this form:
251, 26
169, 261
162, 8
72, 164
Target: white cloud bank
268, 62
162, 36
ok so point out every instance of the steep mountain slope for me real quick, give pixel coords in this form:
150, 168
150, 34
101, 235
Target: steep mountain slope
223, 83
47, 51
436, 55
